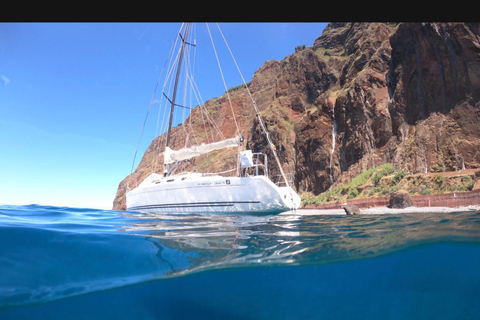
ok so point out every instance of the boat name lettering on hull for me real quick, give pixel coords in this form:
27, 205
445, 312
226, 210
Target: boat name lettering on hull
216, 183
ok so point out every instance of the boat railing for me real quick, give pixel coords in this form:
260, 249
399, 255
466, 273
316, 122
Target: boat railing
259, 167
280, 182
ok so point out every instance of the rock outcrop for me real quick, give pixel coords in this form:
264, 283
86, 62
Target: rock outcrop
400, 200
362, 95
351, 209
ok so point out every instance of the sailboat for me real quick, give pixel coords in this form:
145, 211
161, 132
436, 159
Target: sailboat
251, 191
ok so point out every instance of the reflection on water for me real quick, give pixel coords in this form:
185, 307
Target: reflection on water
188, 243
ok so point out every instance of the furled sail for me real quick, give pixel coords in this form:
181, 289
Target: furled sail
171, 156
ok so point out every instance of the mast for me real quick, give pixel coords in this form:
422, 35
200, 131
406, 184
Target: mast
184, 41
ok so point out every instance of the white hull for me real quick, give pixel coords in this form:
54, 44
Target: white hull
194, 193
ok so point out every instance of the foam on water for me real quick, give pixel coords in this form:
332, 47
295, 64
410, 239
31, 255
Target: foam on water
59, 262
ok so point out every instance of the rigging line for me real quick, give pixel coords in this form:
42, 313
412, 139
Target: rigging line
192, 66
204, 110
171, 67
175, 91
214, 126
203, 114
187, 94
189, 71
172, 59
225, 85
165, 109
191, 134
256, 110
171, 63
200, 103
188, 88
146, 116
141, 133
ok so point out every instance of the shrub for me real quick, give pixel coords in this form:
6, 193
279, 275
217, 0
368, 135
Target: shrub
413, 190
350, 190
306, 198
399, 176
467, 183
384, 170
384, 192
470, 185
353, 193
240, 86
438, 180
300, 48
426, 191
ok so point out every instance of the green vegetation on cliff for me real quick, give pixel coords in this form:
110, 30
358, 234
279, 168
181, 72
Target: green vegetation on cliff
384, 180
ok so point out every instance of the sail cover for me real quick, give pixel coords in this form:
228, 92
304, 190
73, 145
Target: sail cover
171, 156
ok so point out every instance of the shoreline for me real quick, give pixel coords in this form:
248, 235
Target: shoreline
386, 210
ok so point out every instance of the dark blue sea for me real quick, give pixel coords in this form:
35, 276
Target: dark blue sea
72, 263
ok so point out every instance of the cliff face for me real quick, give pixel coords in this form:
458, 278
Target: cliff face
363, 95
434, 82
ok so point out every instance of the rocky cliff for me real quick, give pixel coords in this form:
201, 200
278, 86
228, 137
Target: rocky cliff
364, 94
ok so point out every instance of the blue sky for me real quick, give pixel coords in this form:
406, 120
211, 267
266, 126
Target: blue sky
73, 97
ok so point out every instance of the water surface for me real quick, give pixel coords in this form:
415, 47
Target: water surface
73, 263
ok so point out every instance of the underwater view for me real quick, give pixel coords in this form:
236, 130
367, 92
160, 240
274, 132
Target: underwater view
74, 263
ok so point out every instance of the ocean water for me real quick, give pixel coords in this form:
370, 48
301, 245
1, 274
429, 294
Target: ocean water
73, 263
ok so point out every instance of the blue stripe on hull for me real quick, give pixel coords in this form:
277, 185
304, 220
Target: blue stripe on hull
191, 205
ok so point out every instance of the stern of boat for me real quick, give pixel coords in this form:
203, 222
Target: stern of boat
290, 197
